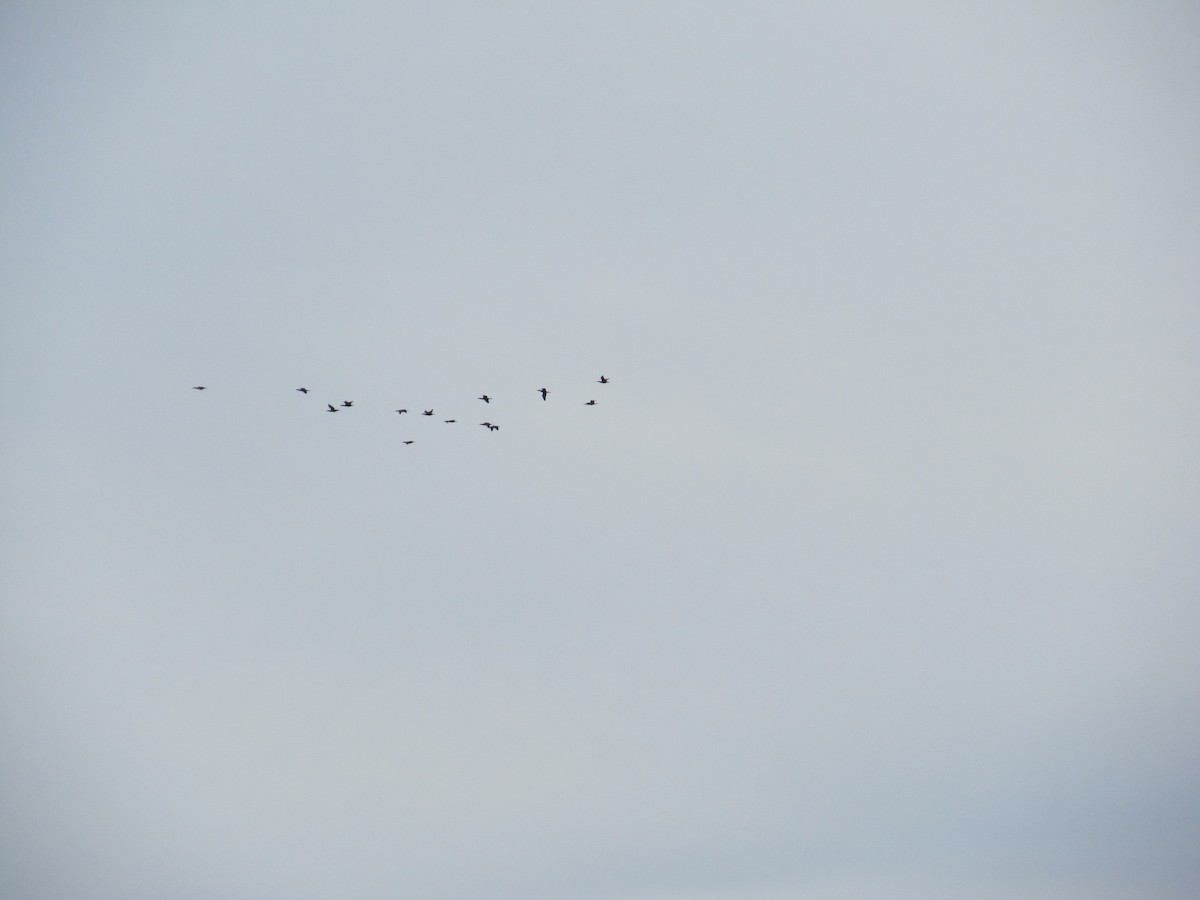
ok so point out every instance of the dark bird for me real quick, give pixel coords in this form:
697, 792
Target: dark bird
494, 427
199, 387
402, 411
486, 399
408, 442
448, 421
302, 390
332, 408
486, 424
590, 403
347, 403
428, 412
544, 392
603, 380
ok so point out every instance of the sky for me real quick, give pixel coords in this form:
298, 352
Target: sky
872, 572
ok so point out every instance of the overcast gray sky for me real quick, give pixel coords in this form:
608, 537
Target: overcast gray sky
871, 574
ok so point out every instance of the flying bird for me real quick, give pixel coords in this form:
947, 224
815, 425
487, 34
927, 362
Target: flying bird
486, 399
428, 412
603, 380
302, 390
448, 421
347, 403
199, 387
408, 442
590, 403
486, 424
402, 411
332, 408
494, 427
544, 392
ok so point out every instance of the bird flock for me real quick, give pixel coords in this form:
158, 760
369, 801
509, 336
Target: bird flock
491, 426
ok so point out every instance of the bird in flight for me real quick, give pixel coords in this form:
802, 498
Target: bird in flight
408, 442
302, 390
402, 411
590, 403
486, 399
448, 421
486, 424
603, 380
428, 412
332, 408
493, 427
544, 392
199, 387
347, 403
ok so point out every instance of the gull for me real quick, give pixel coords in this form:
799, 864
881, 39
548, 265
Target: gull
544, 392
486, 399
603, 380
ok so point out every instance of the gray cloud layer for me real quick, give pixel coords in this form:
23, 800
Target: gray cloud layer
871, 574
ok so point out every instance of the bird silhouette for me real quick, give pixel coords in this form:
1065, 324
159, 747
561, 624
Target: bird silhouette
347, 403
486, 424
408, 442
590, 403
544, 392
402, 411
428, 412
199, 387
448, 421
603, 380
332, 408
486, 399
302, 390
494, 427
